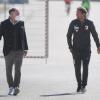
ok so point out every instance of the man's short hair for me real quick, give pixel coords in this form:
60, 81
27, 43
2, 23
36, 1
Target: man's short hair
12, 10
83, 10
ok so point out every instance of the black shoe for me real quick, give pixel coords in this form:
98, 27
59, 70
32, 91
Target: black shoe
16, 91
79, 89
83, 89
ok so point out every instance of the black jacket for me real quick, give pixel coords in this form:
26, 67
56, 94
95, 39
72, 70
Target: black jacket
81, 35
14, 36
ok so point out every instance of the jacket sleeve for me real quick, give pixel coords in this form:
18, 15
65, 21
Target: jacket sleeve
95, 35
69, 35
1, 30
25, 38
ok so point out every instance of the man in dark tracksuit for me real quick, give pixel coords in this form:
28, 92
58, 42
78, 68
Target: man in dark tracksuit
80, 47
15, 47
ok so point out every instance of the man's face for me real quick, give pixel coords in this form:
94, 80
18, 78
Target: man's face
17, 13
13, 15
80, 15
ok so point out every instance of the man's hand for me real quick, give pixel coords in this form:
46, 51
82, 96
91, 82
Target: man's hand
25, 53
98, 50
71, 50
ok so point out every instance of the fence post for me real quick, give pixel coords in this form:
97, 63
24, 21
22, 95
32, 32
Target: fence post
47, 30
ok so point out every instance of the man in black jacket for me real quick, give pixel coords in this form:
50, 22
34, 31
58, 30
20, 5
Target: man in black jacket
15, 47
80, 47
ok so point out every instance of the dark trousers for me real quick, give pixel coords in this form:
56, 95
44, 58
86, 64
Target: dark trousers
14, 58
81, 58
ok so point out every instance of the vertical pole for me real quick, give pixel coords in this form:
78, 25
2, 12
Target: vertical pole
5, 8
23, 10
46, 29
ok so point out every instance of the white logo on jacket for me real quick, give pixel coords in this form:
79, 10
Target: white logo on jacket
86, 27
76, 28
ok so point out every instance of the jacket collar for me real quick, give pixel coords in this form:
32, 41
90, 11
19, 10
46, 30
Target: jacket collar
13, 22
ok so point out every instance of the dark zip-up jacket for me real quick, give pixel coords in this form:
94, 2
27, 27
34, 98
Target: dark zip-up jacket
81, 35
14, 36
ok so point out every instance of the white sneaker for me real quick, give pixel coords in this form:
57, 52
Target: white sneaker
11, 91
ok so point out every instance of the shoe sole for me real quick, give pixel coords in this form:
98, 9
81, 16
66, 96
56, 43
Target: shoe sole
17, 92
